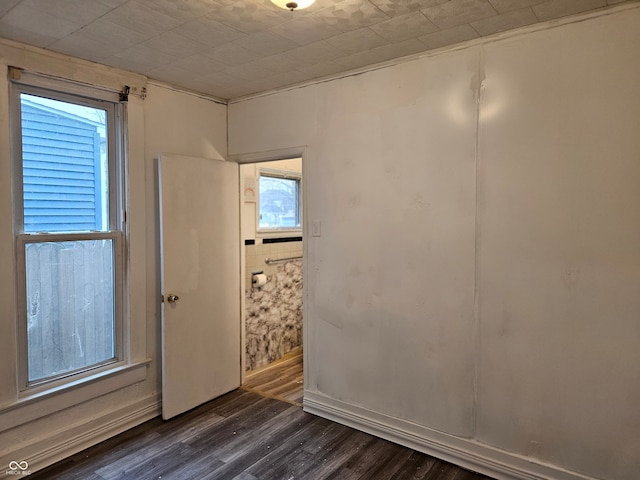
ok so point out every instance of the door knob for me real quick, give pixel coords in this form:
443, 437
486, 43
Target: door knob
171, 298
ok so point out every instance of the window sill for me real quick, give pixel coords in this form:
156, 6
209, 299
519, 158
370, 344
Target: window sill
46, 402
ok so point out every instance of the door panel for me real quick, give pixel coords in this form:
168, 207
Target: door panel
200, 265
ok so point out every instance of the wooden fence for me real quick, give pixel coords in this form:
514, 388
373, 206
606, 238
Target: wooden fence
70, 306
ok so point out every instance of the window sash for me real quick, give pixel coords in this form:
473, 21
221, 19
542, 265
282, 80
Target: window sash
118, 263
286, 175
114, 133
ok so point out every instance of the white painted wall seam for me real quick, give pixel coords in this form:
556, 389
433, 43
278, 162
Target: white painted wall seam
479, 89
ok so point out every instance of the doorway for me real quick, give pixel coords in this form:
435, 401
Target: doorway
272, 236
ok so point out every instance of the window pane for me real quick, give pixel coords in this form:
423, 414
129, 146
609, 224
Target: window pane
70, 306
279, 202
64, 164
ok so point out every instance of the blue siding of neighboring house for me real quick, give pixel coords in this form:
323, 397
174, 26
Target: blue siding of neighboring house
61, 171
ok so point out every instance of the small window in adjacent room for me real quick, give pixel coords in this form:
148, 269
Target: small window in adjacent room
279, 200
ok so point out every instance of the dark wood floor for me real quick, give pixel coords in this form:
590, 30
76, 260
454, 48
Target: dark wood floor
258, 432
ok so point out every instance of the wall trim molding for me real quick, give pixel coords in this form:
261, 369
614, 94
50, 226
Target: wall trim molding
64, 443
467, 453
480, 41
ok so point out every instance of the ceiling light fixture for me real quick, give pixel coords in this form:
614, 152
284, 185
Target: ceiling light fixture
292, 5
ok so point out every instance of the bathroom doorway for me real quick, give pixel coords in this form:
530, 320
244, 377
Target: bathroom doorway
272, 234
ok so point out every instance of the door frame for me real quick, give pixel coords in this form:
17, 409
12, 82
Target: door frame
260, 157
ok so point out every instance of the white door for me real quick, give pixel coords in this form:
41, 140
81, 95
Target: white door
200, 280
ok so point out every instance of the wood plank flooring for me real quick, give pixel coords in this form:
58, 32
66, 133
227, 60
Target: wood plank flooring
281, 380
258, 432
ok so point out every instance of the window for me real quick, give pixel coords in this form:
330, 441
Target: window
279, 201
69, 232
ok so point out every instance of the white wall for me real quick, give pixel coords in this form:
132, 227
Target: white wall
166, 120
183, 123
559, 257
475, 292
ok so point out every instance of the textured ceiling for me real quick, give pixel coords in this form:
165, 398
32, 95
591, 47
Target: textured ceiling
232, 48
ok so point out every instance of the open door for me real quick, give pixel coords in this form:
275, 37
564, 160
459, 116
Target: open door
200, 275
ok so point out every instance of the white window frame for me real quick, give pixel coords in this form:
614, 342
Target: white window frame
278, 231
116, 121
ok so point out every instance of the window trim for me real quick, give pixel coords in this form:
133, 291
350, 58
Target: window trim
34, 405
71, 92
263, 232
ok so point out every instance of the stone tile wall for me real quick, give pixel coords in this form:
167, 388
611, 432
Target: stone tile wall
274, 311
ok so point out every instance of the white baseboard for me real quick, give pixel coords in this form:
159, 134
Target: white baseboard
467, 453
62, 444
